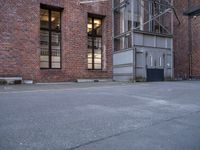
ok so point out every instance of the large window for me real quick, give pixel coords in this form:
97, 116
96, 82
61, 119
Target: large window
94, 30
50, 37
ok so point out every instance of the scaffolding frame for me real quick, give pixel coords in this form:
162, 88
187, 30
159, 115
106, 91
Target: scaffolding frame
169, 9
153, 18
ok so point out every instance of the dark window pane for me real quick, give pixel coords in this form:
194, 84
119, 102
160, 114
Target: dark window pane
89, 42
97, 42
55, 20
44, 46
55, 50
89, 20
94, 43
44, 18
50, 56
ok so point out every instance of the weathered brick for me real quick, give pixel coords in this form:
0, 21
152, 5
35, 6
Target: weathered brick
20, 40
181, 41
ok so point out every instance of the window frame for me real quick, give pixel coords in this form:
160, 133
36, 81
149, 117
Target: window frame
50, 9
93, 36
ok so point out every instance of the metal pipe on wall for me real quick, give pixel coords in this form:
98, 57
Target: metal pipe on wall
190, 41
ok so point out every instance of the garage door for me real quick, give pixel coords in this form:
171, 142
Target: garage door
155, 75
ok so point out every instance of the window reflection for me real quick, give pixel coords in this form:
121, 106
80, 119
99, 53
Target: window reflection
55, 20
94, 43
50, 38
44, 18
97, 27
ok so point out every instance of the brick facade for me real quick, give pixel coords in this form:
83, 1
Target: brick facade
20, 40
186, 41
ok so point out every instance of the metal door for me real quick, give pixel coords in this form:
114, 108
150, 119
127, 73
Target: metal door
155, 75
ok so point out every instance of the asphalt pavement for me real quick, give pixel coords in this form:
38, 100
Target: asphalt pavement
100, 116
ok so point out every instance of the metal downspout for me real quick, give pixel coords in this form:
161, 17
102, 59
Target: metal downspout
190, 41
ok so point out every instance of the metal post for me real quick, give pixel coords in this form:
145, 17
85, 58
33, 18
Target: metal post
190, 41
133, 41
113, 39
172, 44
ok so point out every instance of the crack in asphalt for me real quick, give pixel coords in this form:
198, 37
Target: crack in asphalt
132, 130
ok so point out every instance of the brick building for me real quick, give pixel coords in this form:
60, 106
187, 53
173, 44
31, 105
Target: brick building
186, 39
55, 40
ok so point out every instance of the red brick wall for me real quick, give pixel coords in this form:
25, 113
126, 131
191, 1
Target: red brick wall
196, 42
181, 41
20, 40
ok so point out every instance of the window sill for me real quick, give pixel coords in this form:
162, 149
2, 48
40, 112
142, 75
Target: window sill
97, 70
50, 68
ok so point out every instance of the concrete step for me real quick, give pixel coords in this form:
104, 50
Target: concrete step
93, 80
10, 80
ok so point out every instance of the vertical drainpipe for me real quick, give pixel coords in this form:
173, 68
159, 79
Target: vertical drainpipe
113, 47
190, 40
172, 44
133, 42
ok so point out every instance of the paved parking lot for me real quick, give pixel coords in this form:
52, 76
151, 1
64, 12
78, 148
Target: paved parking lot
101, 116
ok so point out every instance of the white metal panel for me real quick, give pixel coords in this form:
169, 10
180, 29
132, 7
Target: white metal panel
169, 61
123, 58
140, 73
169, 43
122, 78
149, 40
161, 42
123, 70
140, 60
138, 39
